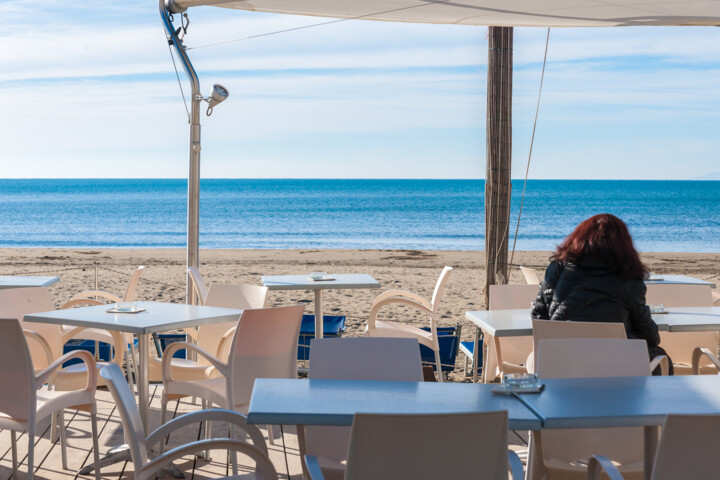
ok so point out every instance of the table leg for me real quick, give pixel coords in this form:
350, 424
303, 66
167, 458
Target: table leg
143, 386
651, 435
318, 313
475, 354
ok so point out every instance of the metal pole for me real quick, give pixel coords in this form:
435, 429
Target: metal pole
193, 200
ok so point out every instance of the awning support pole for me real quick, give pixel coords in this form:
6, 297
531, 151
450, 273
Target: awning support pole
499, 156
193, 198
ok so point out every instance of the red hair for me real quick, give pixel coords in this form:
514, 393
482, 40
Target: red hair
603, 238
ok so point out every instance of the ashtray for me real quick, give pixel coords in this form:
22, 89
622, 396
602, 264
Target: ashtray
319, 277
656, 308
125, 307
519, 383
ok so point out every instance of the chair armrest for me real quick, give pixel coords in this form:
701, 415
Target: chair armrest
600, 463
86, 357
96, 293
513, 368
313, 467
664, 363
31, 334
262, 463
697, 354
173, 347
224, 340
213, 415
80, 301
402, 294
515, 466
716, 295
401, 300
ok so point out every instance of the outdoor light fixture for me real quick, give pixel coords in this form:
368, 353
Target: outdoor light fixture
219, 94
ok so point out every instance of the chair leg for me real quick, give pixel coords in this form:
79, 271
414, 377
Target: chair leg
13, 443
31, 454
63, 438
96, 447
206, 405
271, 436
440, 376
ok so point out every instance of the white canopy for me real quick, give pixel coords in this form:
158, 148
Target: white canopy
518, 13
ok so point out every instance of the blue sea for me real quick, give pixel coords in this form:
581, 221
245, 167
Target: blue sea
663, 216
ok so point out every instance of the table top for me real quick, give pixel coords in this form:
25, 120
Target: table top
623, 402
18, 281
303, 282
157, 317
677, 280
517, 323
692, 319
334, 402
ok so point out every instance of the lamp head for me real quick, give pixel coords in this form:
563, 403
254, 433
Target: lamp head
218, 95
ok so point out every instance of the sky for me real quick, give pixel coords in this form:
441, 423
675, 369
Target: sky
88, 90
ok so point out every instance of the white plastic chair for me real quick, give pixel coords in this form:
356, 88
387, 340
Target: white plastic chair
561, 454
392, 359
428, 447
680, 345
213, 338
382, 328
46, 343
688, 448
23, 402
97, 297
145, 468
532, 277
264, 345
507, 354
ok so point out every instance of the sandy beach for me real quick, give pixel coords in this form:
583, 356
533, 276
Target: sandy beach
414, 270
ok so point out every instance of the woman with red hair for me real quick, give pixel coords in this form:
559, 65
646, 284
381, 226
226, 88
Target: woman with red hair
596, 275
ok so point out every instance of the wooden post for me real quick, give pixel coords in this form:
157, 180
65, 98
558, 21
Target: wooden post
499, 156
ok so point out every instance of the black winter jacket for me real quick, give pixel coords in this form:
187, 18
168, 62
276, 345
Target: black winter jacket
590, 293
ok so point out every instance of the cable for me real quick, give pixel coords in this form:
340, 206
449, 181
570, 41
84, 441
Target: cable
182, 92
433, 2
532, 141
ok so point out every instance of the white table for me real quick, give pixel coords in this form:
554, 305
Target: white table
334, 402
624, 402
692, 319
661, 279
157, 317
303, 282
18, 281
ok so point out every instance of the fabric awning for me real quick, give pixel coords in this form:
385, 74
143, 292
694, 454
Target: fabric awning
518, 13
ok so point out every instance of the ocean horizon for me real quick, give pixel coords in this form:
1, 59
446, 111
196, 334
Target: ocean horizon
663, 215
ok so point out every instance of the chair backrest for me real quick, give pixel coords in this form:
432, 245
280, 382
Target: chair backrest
366, 358
242, 297
688, 448
679, 295
18, 302
592, 357
509, 297
549, 329
680, 345
17, 397
428, 446
531, 275
264, 346
129, 295
198, 284
440, 288
132, 424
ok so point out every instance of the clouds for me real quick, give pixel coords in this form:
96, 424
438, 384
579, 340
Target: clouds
350, 99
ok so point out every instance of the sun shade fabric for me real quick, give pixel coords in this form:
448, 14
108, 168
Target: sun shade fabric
519, 13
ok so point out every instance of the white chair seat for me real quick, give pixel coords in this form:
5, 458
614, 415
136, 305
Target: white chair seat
214, 390
74, 377
564, 470
184, 369
403, 330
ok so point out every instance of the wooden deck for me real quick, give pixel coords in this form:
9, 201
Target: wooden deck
48, 464
284, 454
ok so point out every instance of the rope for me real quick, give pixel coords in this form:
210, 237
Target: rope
532, 141
182, 92
425, 4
